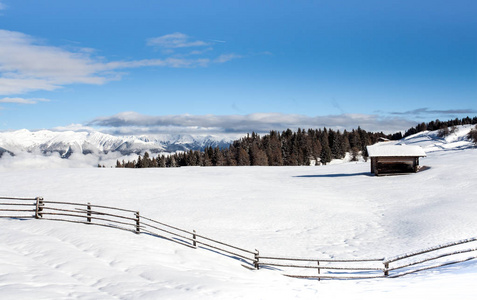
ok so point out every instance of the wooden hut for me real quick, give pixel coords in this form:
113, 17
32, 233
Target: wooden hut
394, 159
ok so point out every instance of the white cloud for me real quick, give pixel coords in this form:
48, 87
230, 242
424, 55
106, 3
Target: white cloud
27, 65
23, 100
17, 85
21, 57
73, 127
133, 123
175, 40
2, 6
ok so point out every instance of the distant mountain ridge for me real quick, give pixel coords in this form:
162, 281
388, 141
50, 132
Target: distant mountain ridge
93, 142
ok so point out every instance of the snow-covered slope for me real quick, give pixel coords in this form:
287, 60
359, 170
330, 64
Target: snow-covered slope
332, 211
431, 142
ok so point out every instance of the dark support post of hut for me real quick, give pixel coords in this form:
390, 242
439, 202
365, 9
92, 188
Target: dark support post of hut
394, 159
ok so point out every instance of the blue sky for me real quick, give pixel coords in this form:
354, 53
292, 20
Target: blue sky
131, 67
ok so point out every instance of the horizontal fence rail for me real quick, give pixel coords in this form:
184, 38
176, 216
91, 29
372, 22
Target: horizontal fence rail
118, 218
309, 268
327, 268
431, 258
18, 207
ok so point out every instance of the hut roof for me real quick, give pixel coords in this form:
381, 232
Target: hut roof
386, 150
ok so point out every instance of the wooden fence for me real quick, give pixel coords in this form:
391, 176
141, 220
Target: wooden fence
118, 218
431, 258
313, 268
309, 268
18, 207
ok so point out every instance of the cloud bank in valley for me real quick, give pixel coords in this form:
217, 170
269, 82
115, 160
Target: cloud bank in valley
36, 160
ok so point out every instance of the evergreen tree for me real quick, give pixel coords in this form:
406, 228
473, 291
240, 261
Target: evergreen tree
146, 162
257, 156
325, 155
171, 161
230, 158
243, 159
154, 163
365, 141
218, 158
206, 160
316, 149
161, 161
139, 162
346, 147
336, 145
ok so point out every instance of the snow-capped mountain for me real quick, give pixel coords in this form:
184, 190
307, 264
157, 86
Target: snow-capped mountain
93, 142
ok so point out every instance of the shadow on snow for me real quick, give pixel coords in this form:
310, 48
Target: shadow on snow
336, 175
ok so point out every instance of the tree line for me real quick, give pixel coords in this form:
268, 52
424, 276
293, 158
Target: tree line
286, 148
289, 148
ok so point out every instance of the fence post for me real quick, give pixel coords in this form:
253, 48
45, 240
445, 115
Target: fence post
318, 270
386, 269
194, 239
39, 208
137, 223
256, 263
36, 208
88, 212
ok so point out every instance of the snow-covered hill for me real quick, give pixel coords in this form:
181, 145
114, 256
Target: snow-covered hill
431, 142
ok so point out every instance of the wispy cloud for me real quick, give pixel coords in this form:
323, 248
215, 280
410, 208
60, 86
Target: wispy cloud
23, 100
200, 52
218, 41
2, 6
28, 65
175, 40
226, 57
132, 123
168, 62
179, 45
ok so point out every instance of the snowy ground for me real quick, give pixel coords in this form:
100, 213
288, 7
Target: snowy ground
335, 211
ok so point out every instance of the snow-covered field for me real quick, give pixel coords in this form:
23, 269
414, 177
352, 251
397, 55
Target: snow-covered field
333, 211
